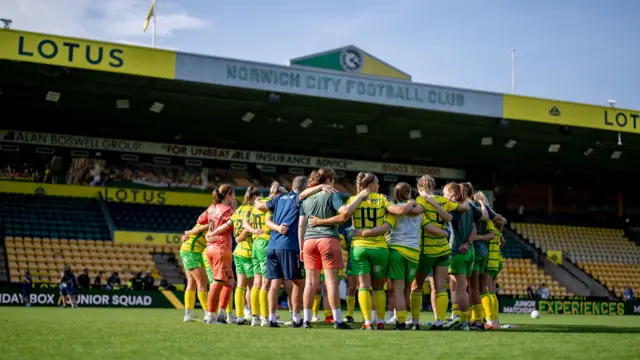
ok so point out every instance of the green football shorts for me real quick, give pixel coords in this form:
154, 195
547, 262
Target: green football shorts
259, 257
428, 263
494, 272
401, 268
462, 263
244, 265
191, 260
480, 264
374, 261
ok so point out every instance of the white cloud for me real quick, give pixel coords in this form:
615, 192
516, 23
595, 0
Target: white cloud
110, 20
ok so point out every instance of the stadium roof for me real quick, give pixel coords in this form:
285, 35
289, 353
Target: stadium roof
224, 102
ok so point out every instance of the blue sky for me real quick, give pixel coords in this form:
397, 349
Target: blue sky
583, 51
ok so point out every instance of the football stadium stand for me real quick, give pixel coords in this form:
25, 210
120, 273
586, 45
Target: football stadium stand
606, 254
45, 258
52, 217
43, 233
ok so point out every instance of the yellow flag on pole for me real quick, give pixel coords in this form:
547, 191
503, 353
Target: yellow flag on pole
150, 14
555, 256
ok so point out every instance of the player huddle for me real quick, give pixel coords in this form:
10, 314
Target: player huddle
297, 239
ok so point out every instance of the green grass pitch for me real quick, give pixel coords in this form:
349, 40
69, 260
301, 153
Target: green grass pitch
52, 333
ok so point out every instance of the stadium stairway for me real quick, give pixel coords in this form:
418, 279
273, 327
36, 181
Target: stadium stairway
171, 270
578, 281
557, 275
520, 269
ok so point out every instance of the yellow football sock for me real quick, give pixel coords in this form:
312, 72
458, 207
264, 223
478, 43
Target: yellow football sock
327, 313
204, 299
472, 312
255, 301
316, 304
190, 300
415, 302
464, 315
477, 313
442, 303
495, 307
401, 315
380, 300
454, 310
229, 308
364, 298
264, 304
239, 301
351, 305
486, 305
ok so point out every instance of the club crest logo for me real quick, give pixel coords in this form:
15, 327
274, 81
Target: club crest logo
351, 60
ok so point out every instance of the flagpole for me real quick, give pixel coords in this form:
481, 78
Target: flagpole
153, 39
513, 70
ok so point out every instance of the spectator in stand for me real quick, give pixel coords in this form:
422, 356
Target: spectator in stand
148, 281
47, 175
83, 280
97, 283
137, 283
530, 292
164, 285
543, 292
26, 288
628, 293
113, 282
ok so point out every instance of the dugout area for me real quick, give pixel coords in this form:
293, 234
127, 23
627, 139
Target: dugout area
92, 103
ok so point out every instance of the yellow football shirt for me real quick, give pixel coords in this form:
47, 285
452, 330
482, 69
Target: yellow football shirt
435, 246
495, 256
258, 220
244, 247
369, 214
196, 242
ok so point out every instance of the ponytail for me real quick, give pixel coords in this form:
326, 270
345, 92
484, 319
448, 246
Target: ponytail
364, 179
426, 184
321, 176
250, 194
467, 190
221, 192
275, 188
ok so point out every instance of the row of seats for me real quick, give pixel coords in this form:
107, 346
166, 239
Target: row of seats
606, 254
87, 245
155, 218
52, 217
517, 274
514, 249
45, 259
616, 277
